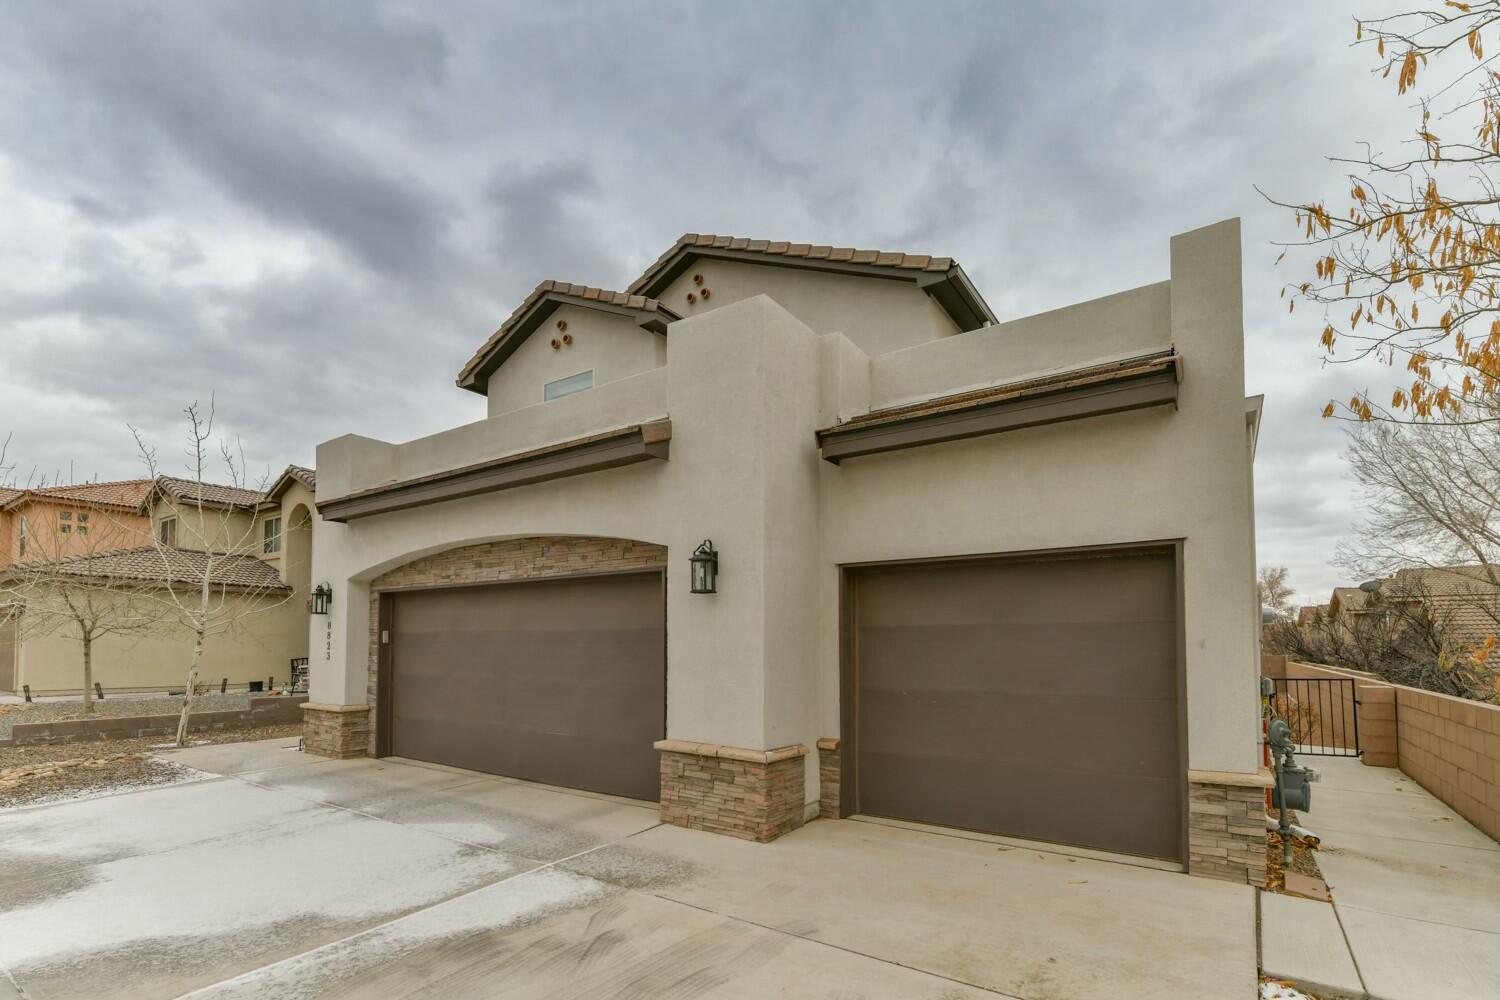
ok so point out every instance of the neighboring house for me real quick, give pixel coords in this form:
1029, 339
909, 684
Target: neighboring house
990, 575
270, 537
56, 521
1463, 601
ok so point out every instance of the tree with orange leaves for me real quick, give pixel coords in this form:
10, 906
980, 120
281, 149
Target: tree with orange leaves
1410, 275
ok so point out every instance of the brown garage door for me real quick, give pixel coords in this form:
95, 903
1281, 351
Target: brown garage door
1036, 699
561, 681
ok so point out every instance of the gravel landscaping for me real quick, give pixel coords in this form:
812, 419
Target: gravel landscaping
37, 775
59, 711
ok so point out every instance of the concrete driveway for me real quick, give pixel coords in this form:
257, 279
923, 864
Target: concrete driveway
282, 875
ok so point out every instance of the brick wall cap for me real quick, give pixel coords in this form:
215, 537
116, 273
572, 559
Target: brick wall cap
731, 753
1261, 778
828, 743
312, 706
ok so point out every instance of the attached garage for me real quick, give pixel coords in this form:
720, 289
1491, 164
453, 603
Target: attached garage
1036, 698
560, 681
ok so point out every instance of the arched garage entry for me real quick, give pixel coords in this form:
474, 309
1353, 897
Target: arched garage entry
541, 658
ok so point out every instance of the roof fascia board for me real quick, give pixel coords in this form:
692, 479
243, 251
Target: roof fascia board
640, 443
1139, 392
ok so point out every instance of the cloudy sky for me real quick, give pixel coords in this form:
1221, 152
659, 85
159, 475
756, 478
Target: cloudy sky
317, 211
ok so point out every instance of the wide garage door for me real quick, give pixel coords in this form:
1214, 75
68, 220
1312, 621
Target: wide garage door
557, 681
1031, 698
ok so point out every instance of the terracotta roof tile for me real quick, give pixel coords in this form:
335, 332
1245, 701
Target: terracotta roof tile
124, 493
153, 565
210, 493
781, 248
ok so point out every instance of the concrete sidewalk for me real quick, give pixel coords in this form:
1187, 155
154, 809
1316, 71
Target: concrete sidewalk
280, 874
1416, 895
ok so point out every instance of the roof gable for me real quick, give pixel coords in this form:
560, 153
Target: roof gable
293, 474
543, 301
940, 277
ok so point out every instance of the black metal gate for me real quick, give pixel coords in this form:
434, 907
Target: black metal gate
1323, 713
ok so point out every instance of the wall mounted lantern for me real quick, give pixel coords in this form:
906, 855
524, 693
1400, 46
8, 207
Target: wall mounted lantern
321, 597
705, 562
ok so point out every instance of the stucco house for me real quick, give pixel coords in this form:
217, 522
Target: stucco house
263, 546
55, 521
973, 573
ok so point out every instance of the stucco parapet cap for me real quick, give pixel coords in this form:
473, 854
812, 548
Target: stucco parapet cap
1076, 378
828, 743
1260, 778
313, 706
652, 435
731, 753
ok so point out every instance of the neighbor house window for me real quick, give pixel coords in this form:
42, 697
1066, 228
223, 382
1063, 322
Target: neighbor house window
25, 532
65, 528
65, 515
273, 535
567, 386
169, 531
83, 518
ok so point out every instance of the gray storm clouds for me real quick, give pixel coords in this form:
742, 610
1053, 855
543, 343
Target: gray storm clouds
316, 212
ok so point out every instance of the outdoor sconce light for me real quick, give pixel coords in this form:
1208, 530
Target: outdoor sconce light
705, 562
320, 599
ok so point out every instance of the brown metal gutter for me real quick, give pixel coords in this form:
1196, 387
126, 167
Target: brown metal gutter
1090, 392
607, 450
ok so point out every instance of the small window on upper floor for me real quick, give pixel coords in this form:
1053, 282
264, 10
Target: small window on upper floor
168, 531
65, 515
272, 541
567, 386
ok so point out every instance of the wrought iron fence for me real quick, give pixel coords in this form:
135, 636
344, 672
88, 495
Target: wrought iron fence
1323, 713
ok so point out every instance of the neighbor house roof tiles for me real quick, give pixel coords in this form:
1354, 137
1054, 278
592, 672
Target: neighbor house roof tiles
177, 566
126, 493
210, 493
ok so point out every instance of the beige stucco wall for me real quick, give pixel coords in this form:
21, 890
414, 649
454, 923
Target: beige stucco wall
878, 315
746, 384
259, 647
202, 529
608, 344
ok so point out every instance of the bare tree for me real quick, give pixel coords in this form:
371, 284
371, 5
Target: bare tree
1272, 589
72, 584
214, 553
1411, 631
1410, 274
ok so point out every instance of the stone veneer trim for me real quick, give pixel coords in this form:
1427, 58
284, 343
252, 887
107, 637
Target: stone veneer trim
750, 794
338, 731
830, 770
1227, 826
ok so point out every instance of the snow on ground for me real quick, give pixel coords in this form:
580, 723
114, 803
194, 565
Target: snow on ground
222, 859
493, 907
163, 775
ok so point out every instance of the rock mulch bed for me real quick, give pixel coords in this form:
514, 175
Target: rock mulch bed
37, 775
120, 707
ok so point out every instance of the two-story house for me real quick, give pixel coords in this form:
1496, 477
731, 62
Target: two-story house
255, 548
785, 530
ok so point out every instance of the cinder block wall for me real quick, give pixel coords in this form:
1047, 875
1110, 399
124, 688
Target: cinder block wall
1450, 746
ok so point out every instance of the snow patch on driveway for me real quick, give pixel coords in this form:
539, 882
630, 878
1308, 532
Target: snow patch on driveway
493, 907
219, 860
